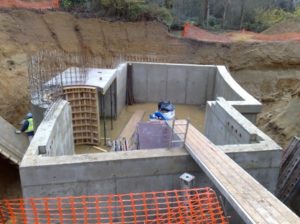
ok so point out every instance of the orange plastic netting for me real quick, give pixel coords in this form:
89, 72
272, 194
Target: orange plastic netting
30, 4
194, 32
198, 205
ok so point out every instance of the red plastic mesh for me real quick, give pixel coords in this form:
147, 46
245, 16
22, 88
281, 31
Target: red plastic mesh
30, 4
194, 32
177, 206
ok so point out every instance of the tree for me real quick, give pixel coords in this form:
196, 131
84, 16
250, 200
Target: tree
206, 12
168, 4
242, 13
226, 4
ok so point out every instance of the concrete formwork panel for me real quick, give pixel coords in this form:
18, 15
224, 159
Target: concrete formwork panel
85, 114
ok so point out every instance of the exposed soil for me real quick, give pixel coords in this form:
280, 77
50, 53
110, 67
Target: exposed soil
268, 70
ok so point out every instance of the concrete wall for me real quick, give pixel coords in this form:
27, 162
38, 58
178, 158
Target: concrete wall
225, 86
190, 84
54, 136
134, 171
179, 83
236, 135
119, 90
121, 86
225, 125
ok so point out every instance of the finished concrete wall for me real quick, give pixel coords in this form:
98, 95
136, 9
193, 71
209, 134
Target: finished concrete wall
134, 171
54, 136
121, 86
224, 125
179, 83
119, 90
225, 86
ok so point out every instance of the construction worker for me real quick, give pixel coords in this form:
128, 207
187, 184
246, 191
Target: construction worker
27, 127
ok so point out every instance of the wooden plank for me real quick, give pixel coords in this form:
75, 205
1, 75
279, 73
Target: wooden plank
128, 131
100, 149
249, 198
12, 146
130, 127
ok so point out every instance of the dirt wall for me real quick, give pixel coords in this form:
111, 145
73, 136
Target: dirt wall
24, 32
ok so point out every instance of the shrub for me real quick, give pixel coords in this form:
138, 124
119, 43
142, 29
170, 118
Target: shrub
134, 10
271, 17
71, 4
150, 12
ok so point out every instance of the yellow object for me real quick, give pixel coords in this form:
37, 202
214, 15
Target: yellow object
30, 126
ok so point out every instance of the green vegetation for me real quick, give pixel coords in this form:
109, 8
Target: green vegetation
130, 10
268, 18
213, 15
134, 11
71, 4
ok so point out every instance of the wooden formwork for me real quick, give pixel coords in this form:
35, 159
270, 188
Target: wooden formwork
85, 114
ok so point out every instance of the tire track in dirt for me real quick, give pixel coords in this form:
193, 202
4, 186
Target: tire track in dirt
84, 49
53, 34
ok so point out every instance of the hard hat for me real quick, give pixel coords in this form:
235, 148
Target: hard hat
29, 115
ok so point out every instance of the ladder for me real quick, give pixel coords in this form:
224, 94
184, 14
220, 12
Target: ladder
178, 132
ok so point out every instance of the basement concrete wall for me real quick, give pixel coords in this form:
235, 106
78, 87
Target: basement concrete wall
121, 86
119, 90
54, 136
134, 171
225, 125
179, 83
225, 86
237, 136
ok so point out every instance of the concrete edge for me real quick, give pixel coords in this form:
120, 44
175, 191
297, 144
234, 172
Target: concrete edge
249, 103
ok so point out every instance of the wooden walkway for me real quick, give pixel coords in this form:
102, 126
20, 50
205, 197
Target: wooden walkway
12, 146
249, 198
127, 134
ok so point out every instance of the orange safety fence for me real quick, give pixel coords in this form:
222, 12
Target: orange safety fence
30, 4
199, 205
196, 33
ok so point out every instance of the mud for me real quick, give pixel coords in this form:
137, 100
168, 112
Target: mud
195, 114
